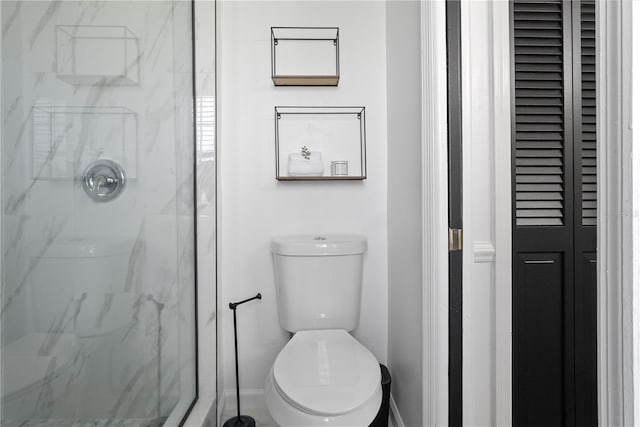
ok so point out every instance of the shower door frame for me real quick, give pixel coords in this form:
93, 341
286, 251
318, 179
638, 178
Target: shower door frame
195, 212
204, 59
1, 222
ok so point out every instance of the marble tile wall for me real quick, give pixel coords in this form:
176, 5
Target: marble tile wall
98, 299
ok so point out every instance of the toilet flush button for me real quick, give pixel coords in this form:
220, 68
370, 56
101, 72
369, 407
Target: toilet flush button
322, 238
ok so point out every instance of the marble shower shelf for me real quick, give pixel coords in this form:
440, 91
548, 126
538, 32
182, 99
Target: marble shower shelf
97, 55
65, 139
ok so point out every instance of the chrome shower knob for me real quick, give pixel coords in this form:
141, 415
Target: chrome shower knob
104, 180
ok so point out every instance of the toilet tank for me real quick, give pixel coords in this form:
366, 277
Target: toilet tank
318, 280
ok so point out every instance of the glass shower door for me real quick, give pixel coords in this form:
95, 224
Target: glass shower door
97, 193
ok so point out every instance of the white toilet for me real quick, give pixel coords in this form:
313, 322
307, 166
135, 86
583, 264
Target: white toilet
323, 376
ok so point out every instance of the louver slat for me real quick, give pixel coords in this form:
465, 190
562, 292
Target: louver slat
588, 58
539, 113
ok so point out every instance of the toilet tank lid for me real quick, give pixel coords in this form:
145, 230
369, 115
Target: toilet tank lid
319, 245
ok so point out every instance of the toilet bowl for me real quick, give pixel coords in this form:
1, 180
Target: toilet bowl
324, 377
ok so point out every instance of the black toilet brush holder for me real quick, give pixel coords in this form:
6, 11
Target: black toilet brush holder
239, 420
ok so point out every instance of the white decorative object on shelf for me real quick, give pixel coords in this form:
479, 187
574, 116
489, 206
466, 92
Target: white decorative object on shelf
306, 163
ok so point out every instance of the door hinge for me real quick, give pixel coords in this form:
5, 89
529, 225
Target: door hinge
455, 239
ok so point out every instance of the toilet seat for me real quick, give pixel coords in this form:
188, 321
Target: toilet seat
326, 373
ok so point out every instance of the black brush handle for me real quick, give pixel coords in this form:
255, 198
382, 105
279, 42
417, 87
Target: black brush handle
233, 305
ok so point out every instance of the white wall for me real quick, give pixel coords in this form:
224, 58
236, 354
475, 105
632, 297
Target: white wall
253, 206
404, 208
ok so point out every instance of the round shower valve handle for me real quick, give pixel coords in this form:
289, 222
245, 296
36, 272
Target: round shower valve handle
104, 180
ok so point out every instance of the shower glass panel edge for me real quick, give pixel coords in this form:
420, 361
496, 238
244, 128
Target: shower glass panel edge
1, 220
205, 410
98, 297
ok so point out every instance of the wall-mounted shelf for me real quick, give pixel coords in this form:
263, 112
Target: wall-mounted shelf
305, 56
334, 138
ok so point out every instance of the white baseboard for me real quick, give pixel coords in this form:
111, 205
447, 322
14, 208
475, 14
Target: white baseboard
253, 398
250, 398
395, 417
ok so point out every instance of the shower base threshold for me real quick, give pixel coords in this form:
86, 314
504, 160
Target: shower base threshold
124, 422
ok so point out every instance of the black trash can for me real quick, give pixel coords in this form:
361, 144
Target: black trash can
382, 418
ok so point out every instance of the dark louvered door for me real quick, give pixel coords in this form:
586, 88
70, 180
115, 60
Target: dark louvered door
454, 154
554, 213
584, 124
543, 203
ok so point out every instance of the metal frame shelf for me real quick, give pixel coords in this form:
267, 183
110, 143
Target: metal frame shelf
305, 56
336, 134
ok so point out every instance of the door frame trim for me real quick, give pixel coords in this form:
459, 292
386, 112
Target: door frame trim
435, 275
1, 216
501, 127
500, 246
615, 208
